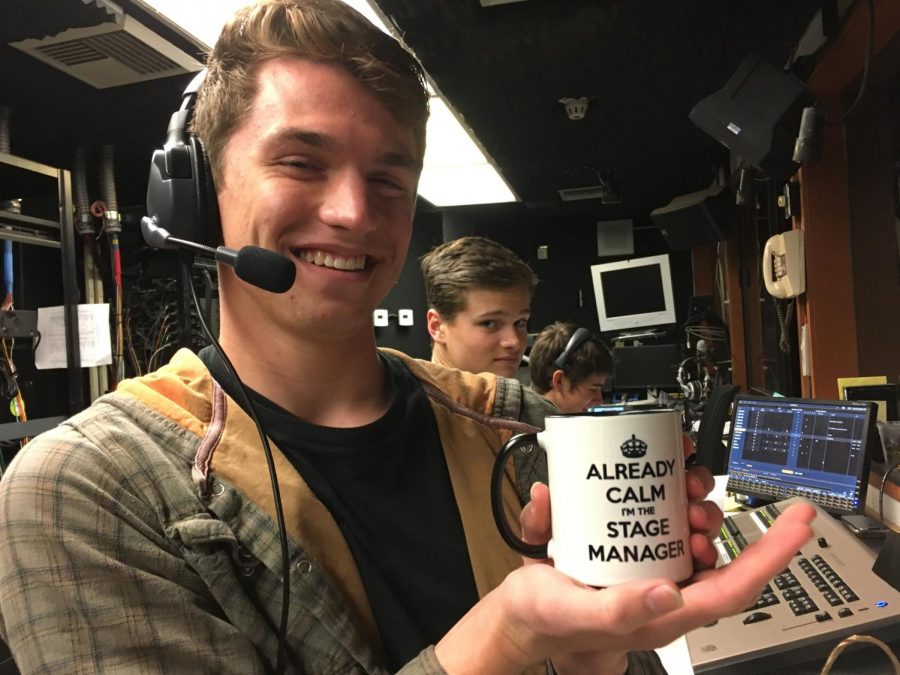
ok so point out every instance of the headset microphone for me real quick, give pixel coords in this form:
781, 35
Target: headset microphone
259, 267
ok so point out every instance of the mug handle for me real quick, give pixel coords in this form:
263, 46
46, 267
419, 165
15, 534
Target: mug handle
497, 476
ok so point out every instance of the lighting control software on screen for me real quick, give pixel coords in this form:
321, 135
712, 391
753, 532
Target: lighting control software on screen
782, 448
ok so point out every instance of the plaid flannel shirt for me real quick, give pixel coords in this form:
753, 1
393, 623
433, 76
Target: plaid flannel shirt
135, 540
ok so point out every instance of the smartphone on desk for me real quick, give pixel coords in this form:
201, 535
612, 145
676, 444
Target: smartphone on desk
864, 527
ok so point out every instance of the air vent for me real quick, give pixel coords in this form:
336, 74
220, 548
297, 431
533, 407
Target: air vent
604, 193
111, 54
577, 194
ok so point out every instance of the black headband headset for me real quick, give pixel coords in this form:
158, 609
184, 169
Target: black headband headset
183, 210
579, 337
180, 193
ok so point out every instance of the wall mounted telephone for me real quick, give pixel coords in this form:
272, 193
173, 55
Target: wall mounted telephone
783, 266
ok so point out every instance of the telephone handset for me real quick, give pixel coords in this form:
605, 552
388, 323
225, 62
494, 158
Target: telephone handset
783, 267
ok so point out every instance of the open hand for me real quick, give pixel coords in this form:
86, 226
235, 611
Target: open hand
539, 613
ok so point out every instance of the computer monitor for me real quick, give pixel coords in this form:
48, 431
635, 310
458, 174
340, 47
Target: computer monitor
634, 294
646, 367
787, 447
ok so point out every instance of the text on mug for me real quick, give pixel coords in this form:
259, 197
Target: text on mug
636, 552
632, 470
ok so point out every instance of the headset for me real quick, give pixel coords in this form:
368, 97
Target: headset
692, 389
579, 337
181, 195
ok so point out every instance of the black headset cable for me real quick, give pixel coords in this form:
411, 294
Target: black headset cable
273, 476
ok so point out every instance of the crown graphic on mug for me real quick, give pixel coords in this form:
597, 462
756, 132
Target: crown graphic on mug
634, 447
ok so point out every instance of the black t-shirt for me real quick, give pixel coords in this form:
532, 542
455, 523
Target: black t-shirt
387, 486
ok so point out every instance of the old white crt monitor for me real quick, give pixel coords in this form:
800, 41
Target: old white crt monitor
634, 294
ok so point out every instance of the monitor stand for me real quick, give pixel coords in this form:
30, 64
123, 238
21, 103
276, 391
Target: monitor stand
638, 335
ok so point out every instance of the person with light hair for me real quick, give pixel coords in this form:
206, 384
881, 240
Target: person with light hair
479, 301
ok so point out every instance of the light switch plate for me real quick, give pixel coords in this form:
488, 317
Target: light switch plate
380, 317
405, 317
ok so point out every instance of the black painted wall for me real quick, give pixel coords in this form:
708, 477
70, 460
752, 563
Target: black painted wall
409, 292
565, 292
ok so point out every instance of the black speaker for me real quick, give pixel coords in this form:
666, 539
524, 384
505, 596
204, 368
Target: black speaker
756, 115
181, 196
695, 219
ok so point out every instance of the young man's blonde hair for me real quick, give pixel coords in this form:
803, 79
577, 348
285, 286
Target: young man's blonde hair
591, 358
322, 31
471, 263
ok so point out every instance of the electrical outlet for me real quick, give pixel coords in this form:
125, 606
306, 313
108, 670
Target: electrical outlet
380, 317
405, 317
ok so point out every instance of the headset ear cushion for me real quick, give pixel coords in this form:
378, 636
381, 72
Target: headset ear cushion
693, 390
209, 229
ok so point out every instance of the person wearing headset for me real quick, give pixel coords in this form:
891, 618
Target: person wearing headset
141, 535
479, 300
569, 366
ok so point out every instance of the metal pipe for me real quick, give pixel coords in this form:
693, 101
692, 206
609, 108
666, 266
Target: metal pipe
84, 224
93, 375
112, 224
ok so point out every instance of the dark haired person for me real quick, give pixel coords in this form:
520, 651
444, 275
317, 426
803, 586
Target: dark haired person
139, 536
577, 383
479, 301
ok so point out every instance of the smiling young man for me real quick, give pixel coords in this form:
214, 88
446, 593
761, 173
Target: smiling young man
139, 536
479, 301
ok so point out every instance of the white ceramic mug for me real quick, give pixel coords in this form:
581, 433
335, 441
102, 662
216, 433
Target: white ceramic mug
618, 497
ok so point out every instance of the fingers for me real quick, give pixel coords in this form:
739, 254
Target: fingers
700, 482
547, 613
565, 616
730, 589
535, 519
706, 518
762, 560
703, 551
538, 612
687, 445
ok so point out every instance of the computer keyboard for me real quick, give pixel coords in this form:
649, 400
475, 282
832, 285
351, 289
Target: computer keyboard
827, 592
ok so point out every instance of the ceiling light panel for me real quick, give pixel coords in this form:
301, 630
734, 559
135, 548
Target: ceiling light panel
456, 170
